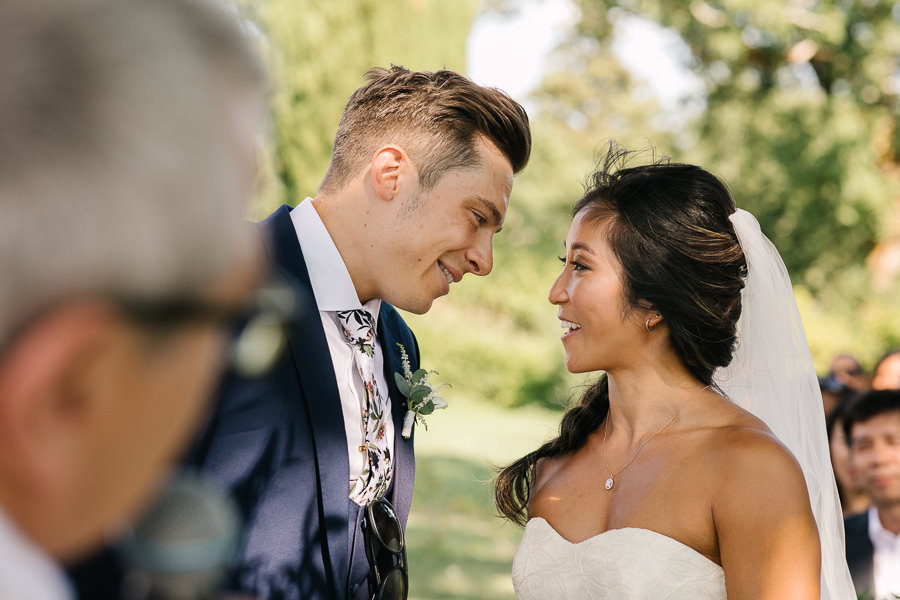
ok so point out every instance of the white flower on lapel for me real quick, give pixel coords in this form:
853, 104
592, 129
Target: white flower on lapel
421, 396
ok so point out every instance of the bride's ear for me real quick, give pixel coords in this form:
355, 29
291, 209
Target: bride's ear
649, 315
653, 320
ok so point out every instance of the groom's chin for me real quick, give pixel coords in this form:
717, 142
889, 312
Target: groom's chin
416, 306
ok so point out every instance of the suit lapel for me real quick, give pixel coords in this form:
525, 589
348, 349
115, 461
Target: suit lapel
404, 459
315, 371
860, 552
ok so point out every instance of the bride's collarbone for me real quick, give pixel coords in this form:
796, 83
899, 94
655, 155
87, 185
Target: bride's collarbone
660, 494
580, 519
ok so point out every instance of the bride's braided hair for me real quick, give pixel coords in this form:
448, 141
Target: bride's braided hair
669, 228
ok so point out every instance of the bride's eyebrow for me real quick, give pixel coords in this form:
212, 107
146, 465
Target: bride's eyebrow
582, 246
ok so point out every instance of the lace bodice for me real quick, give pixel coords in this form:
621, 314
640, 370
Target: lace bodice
629, 564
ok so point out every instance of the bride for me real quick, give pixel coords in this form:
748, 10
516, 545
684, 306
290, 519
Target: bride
697, 466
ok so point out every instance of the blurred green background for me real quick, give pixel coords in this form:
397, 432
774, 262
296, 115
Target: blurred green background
794, 103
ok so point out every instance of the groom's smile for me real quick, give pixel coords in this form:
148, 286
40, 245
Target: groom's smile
445, 232
449, 275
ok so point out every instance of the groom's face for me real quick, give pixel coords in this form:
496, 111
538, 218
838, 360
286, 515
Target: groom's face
448, 231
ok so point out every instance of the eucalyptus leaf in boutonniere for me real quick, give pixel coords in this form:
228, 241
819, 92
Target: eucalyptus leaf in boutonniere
421, 397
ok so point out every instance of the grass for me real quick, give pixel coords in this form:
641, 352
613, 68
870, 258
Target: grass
457, 547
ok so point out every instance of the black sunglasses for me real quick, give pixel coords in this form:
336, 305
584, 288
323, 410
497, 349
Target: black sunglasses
384, 541
260, 327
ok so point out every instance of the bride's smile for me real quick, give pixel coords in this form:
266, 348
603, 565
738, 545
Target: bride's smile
600, 332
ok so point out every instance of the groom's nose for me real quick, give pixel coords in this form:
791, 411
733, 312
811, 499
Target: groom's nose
481, 255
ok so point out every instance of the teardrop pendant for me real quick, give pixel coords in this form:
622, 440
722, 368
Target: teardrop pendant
609, 483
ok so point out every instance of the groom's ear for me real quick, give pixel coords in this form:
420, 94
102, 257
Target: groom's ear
392, 170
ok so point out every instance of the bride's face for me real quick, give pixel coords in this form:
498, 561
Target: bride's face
599, 332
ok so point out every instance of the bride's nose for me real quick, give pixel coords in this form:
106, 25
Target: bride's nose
558, 293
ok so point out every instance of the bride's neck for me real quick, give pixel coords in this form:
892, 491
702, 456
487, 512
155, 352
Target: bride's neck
644, 400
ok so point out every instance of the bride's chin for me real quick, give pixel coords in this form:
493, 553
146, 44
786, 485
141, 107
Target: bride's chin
573, 367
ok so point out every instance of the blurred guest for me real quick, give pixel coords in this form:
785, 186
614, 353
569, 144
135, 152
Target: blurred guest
848, 371
886, 375
853, 497
833, 393
872, 424
123, 260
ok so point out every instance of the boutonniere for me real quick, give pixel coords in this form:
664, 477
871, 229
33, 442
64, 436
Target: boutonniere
421, 397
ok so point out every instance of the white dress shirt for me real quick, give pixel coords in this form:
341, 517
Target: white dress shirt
886, 564
26, 572
334, 291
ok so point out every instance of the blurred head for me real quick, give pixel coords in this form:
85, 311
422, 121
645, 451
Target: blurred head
436, 153
848, 371
844, 472
833, 393
665, 260
872, 426
124, 178
886, 374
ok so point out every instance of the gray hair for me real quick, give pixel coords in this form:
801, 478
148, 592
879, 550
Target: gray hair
117, 174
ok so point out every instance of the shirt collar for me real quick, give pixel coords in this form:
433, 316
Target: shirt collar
331, 283
26, 571
881, 537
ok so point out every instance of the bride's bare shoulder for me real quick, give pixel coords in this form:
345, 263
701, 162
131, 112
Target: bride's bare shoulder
544, 470
739, 443
745, 448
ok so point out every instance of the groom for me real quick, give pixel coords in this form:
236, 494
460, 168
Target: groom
419, 182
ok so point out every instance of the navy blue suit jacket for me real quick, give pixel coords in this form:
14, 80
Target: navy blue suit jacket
278, 444
860, 553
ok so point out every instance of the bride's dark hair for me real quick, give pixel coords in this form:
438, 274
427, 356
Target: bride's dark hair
668, 226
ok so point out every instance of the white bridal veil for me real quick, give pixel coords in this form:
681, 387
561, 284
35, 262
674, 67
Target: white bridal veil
772, 376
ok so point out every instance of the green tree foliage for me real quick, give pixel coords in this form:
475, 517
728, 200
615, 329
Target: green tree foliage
801, 108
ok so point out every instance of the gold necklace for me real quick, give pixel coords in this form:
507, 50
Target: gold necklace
612, 476
611, 481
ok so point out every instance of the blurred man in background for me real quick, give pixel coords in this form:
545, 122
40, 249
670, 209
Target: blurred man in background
124, 174
872, 425
847, 371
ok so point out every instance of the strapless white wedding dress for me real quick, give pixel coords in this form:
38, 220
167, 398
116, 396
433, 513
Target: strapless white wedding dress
629, 564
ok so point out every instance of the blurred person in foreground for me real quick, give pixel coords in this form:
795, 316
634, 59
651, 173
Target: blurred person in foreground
316, 453
872, 424
698, 463
886, 374
123, 258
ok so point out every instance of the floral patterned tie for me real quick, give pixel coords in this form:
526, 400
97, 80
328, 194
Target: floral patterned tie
373, 482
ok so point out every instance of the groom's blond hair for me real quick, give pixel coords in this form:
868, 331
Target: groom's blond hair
436, 118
